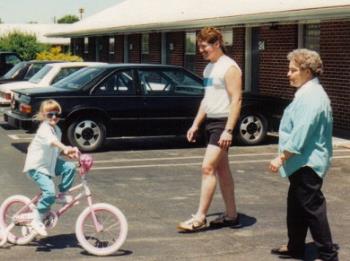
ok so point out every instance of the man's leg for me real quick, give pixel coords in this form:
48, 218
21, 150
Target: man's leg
226, 183
211, 160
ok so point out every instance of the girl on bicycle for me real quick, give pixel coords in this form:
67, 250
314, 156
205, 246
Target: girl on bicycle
43, 162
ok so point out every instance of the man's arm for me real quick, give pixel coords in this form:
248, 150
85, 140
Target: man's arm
192, 132
233, 80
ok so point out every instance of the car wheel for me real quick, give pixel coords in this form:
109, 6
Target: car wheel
87, 134
252, 129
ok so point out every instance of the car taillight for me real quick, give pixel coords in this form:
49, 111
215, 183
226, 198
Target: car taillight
25, 108
8, 96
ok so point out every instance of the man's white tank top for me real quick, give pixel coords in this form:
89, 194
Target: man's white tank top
216, 98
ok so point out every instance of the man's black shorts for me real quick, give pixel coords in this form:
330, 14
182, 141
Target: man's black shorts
213, 130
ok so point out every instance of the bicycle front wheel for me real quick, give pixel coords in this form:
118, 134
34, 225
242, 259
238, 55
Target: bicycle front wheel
111, 235
19, 235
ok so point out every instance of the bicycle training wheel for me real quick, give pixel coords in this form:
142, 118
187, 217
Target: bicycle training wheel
7, 211
112, 235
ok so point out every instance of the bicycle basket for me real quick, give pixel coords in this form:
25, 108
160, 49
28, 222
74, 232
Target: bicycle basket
85, 162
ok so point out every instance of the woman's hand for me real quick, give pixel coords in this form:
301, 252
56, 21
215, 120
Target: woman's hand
275, 164
192, 134
225, 140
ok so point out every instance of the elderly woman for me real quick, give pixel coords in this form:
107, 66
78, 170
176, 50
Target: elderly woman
305, 151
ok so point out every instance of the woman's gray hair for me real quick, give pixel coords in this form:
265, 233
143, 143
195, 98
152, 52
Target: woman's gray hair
307, 59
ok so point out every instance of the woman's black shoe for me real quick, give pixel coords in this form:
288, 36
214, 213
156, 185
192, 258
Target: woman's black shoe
283, 251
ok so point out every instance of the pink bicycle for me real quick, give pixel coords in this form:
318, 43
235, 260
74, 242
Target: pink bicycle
101, 228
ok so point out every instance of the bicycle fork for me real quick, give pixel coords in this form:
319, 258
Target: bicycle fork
97, 224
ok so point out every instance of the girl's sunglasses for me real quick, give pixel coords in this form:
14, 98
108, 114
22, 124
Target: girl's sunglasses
51, 114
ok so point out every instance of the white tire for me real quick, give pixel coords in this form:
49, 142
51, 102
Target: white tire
113, 234
10, 207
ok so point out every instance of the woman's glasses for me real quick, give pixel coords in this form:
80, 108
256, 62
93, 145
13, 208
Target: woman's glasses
52, 114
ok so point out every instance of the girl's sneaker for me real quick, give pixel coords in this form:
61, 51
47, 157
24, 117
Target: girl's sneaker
37, 224
63, 198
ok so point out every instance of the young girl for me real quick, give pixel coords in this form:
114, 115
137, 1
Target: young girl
43, 162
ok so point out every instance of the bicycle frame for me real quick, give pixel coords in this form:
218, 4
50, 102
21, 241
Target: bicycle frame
85, 193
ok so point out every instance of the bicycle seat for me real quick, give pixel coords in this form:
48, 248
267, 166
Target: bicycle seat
85, 162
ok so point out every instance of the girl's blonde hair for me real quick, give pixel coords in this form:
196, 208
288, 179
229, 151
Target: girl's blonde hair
307, 59
46, 106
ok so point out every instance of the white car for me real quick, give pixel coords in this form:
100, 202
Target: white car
48, 75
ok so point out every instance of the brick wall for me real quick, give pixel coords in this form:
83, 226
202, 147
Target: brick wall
335, 54
119, 49
103, 48
135, 53
176, 56
273, 64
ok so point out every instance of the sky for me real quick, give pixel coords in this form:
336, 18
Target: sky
44, 11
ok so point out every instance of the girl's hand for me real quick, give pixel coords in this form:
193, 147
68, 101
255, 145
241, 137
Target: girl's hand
192, 134
225, 140
71, 152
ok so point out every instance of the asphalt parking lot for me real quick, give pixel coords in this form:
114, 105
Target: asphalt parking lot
156, 183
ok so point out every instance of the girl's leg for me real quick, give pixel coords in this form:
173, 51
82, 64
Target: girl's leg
47, 188
66, 170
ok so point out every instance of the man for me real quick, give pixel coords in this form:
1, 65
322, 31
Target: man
220, 108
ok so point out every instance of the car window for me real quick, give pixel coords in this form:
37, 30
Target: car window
154, 82
64, 72
33, 69
12, 59
120, 82
169, 82
185, 83
79, 78
14, 70
41, 74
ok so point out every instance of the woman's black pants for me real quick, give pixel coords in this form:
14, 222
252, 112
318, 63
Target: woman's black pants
306, 208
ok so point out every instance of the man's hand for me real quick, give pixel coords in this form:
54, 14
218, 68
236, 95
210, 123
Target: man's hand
225, 140
192, 134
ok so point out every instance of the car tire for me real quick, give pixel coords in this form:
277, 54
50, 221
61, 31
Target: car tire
251, 129
88, 134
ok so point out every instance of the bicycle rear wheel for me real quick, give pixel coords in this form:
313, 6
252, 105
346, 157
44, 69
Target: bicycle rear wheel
17, 235
113, 233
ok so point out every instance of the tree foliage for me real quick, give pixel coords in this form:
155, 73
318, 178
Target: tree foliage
26, 45
56, 54
68, 19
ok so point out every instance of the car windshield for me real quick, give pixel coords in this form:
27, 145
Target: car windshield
14, 70
34, 68
79, 78
41, 74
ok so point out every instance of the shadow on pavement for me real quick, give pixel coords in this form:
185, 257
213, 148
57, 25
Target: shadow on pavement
68, 241
57, 242
21, 146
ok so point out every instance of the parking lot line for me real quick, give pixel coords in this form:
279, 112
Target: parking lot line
193, 164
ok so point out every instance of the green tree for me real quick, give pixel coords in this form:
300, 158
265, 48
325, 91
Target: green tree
68, 19
1, 21
26, 45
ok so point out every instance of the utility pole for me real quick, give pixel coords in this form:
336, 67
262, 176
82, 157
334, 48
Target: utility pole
81, 11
